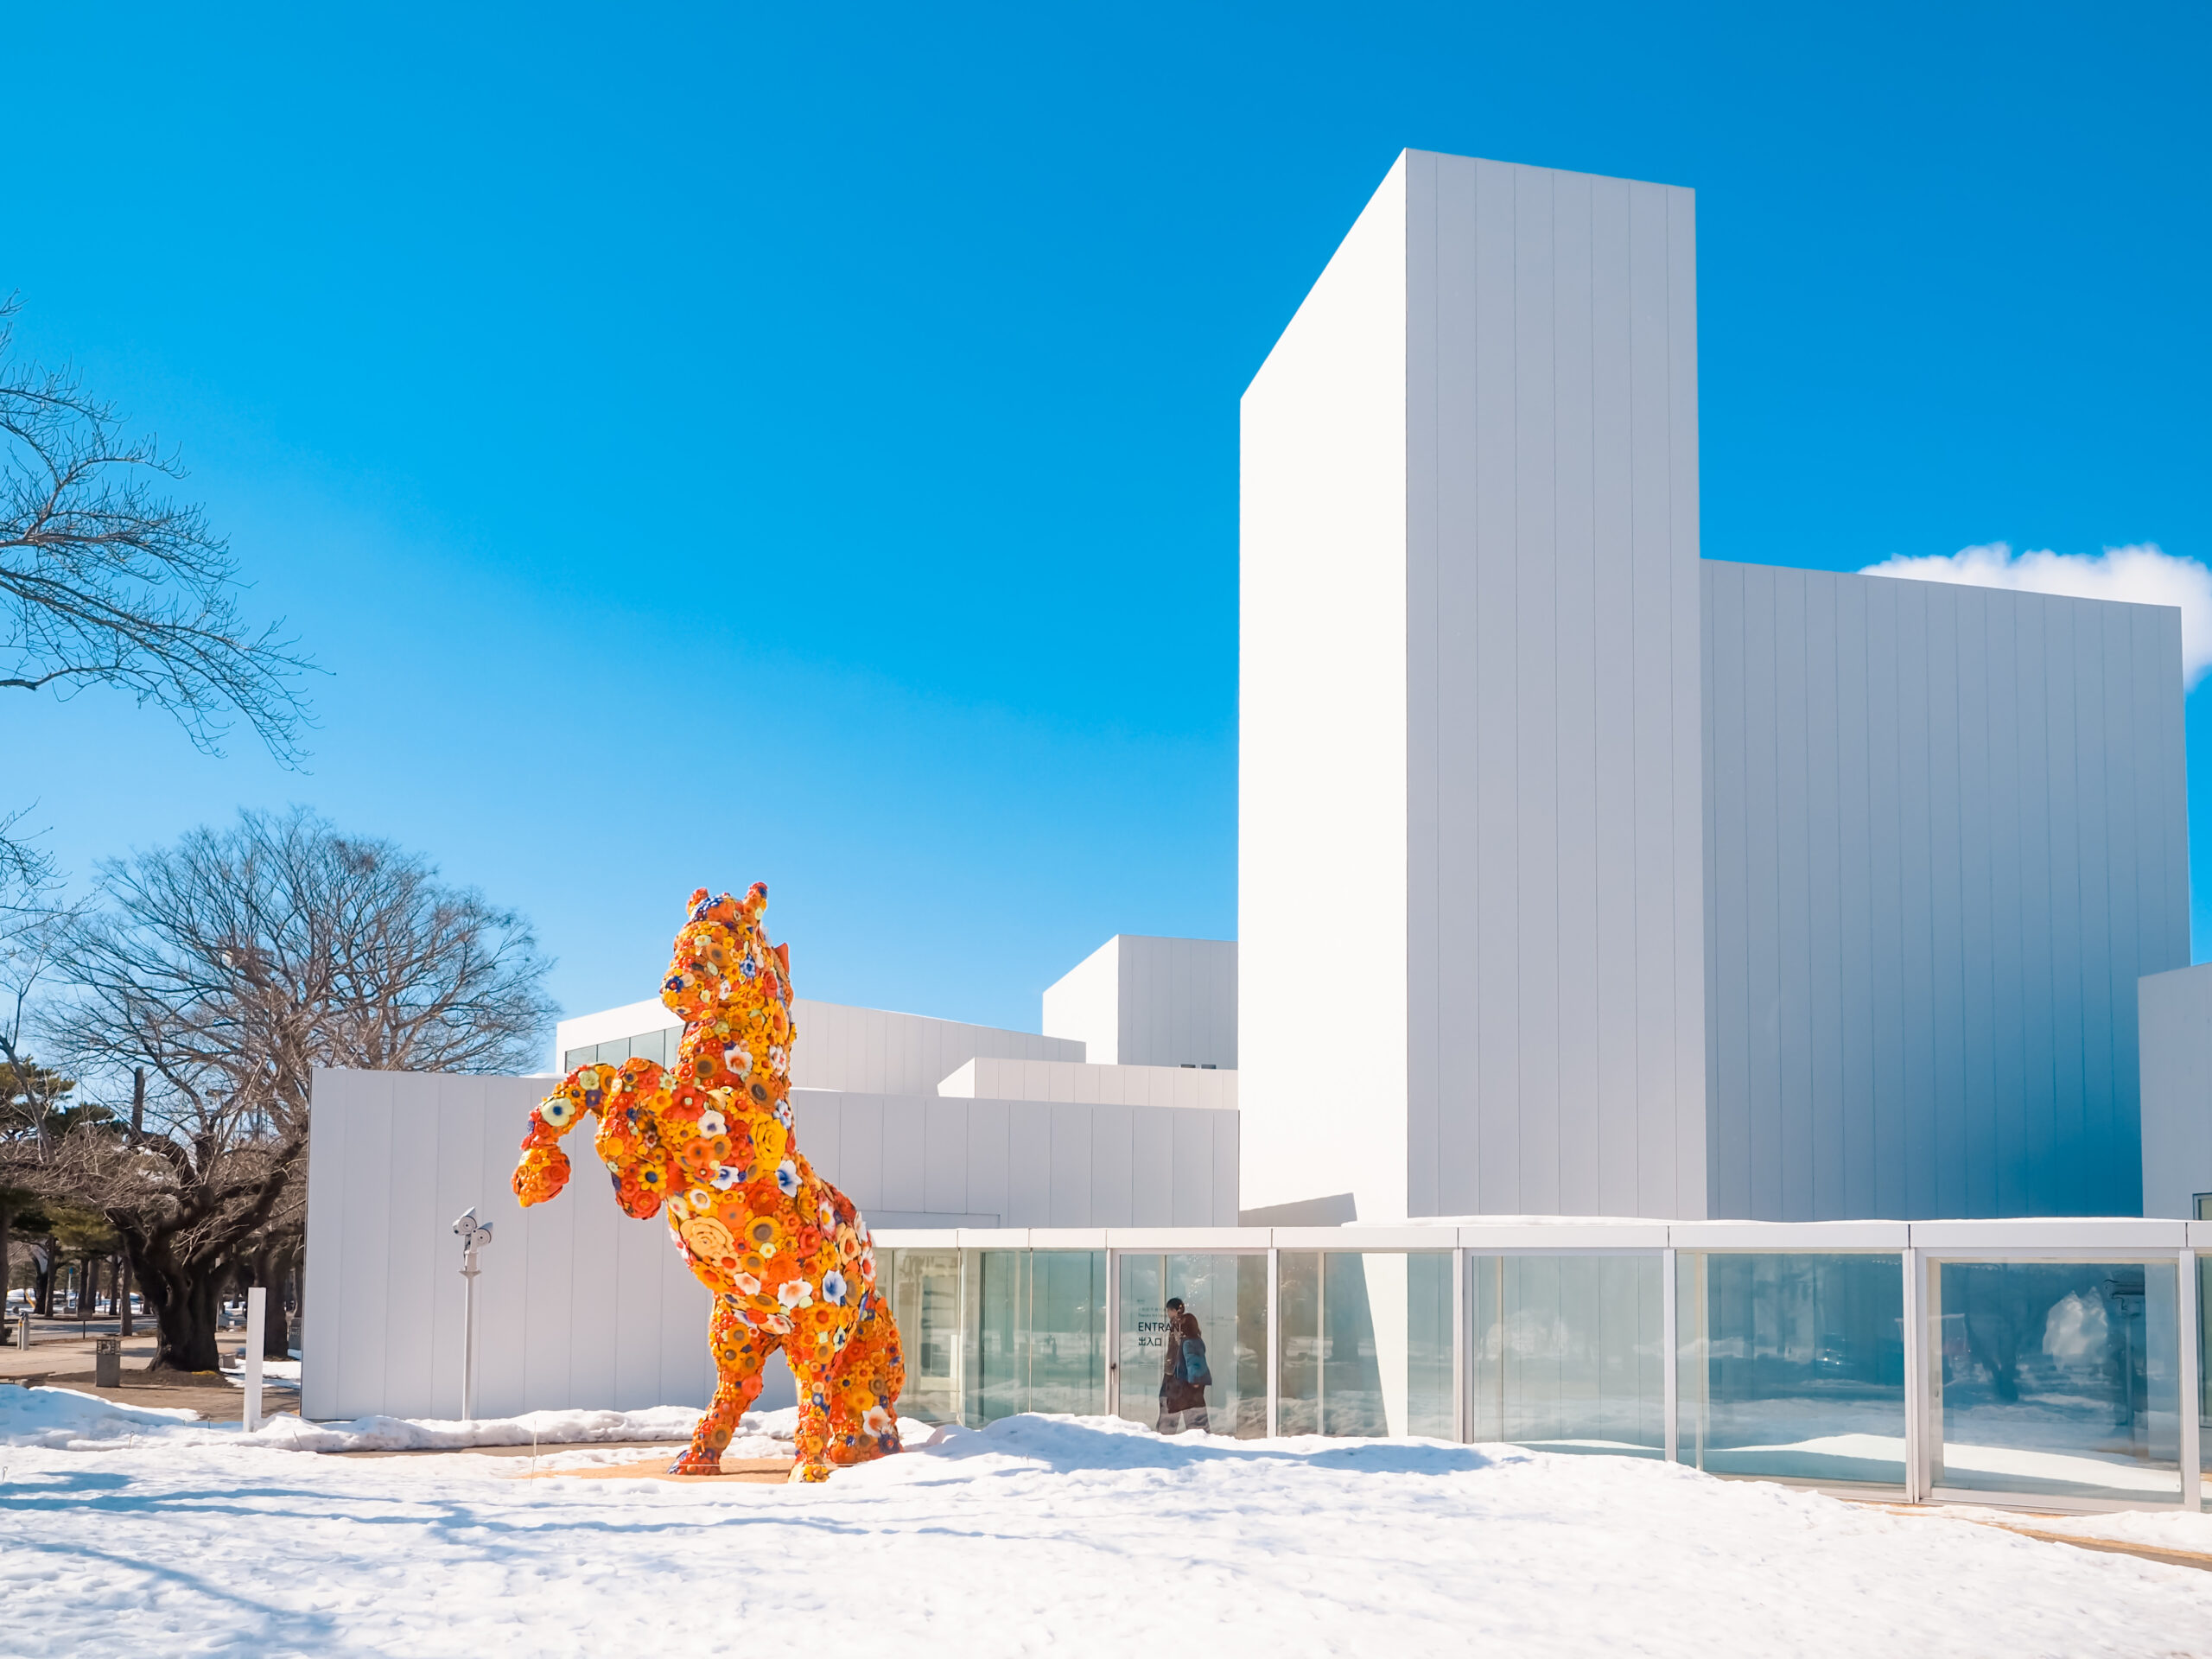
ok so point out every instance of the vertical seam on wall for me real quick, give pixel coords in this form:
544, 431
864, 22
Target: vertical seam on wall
1436, 715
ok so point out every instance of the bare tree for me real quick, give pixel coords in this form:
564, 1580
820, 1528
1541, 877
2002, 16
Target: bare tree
107, 581
227, 968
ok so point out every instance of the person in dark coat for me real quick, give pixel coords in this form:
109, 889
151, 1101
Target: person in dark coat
1184, 1376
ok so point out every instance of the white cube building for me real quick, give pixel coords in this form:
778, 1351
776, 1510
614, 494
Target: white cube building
1470, 882
1578, 876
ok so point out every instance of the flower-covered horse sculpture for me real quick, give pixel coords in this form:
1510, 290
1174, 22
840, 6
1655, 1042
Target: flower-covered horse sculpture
784, 1254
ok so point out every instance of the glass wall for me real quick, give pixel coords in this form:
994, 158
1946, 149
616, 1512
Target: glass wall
1225, 1307
660, 1046
1568, 1352
1366, 1344
2059, 1378
1792, 1365
924, 1287
1041, 1341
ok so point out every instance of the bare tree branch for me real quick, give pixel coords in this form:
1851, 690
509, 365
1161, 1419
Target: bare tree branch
107, 581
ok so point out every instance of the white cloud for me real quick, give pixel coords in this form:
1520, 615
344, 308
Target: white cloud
2142, 574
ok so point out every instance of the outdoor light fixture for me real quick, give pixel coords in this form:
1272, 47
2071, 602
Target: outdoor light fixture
474, 1235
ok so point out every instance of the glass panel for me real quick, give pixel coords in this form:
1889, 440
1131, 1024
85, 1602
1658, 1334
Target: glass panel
1428, 1347
925, 1301
1343, 1370
1792, 1365
1067, 1331
2055, 1377
1566, 1352
1298, 1309
576, 1057
1225, 1307
1001, 1384
1042, 1341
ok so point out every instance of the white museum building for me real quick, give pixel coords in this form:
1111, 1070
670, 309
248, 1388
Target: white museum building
1763, 1030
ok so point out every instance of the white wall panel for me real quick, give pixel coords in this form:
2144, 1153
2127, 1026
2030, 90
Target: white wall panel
1322, 738
1517, 620
1944, 838
1555, 467
2175, 1012
1143, 1000
1084, 1004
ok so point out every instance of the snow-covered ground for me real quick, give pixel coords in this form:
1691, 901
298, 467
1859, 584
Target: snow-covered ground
1034, 1535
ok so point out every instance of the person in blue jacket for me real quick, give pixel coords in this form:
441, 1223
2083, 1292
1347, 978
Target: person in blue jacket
1184, 1377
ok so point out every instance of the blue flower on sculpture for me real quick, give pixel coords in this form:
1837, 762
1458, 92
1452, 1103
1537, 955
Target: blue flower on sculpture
787, 1178
783, 1113
833, 1288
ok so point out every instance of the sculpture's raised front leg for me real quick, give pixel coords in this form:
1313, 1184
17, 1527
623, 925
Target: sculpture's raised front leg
740, 1352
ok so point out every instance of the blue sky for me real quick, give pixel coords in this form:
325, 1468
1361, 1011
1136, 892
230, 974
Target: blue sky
710, 443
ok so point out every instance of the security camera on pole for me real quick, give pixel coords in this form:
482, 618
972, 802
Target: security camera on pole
474, 1236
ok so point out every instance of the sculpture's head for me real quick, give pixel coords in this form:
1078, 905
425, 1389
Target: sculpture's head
724, 967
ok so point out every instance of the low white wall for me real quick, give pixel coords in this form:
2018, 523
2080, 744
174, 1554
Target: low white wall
577, 1304
580, 1306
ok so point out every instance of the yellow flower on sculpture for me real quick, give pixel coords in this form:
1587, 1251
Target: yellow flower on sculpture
762, 1231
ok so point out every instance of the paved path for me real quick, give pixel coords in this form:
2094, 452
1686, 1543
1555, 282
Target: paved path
60, 1356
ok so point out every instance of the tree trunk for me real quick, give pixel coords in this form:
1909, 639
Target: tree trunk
123, 1293
43, 1260
270, 1270
182, 1302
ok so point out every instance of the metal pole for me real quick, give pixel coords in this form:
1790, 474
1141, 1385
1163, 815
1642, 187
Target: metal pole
469, 1337
2192, 1385
474, 1235
1671, 1347
256, 1306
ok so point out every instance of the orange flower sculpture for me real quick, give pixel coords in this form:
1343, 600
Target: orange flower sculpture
785, 1254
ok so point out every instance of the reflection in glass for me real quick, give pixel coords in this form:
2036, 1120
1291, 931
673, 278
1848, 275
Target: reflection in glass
1568, 1352
1792, 1365
1366, 1344
1225, 1299
925, 1287
1042, 1342
2055, 1377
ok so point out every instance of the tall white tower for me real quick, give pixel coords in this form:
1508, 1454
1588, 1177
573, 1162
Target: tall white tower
1471, 878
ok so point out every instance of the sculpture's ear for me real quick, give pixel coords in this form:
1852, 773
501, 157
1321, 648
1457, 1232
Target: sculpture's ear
784, 956
756, 899
698, 906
